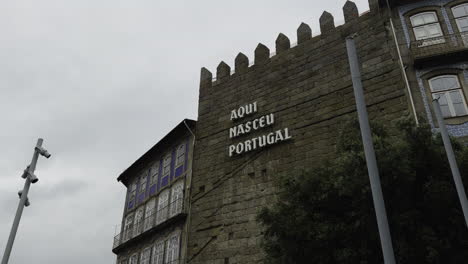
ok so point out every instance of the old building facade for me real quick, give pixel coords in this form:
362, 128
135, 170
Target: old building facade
281, 113
154, 226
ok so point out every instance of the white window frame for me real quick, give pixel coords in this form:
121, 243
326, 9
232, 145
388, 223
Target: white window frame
154, 173
150, 212
138, 223
173, 248
145, 256
430, 39
167, 165
128, 227
163, 206
177, 197
446, 93
180, 155
158, 253
460, 20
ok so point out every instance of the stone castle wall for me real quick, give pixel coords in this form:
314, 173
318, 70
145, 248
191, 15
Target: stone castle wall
308, 88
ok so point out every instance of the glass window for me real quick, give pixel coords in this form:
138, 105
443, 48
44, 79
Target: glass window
172, 249
163, 203
451, 98
167, 165
145, 256
143, 179
138, 224
158, 253
154, 173
180, 157
133, 187
177, 197
150, 213
133, 259
426, 26
128, 227
460, 13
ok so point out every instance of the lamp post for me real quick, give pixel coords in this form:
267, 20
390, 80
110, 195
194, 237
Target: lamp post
452, 160
29, 177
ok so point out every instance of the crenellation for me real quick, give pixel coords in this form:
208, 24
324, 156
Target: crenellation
205, 77
241, 63
223, 71
282, 43
262, 54
350, 11
304, 33
327, 22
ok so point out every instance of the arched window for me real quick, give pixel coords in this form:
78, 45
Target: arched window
426, 26
451, 98
460, 12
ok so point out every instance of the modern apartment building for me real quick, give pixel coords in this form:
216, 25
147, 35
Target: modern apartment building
154, 226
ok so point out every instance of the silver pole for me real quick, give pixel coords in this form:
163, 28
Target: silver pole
451, 158
24, 197
377, 196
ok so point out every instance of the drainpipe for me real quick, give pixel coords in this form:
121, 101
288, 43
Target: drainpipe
402, 66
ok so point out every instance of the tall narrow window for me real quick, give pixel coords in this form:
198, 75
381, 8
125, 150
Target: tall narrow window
128, 227
154, 173
150, 213
145, 256
138, 224
166, 165
426, 27
172, 249
460, 13
133, 259
180, 157
177, 197
143, 179
163, 203
133, 187
158, 253
451, 98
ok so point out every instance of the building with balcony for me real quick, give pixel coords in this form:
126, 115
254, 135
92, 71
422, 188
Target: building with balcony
281, 114
154, 224
433, 40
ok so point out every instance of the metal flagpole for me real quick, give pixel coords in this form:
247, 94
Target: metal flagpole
452, 161
24, 201
377, 196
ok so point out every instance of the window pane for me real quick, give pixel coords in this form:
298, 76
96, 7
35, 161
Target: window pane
450, 82
421, 33
458, 104
434, 30
424, 18
443, 83
461, 10
462, 24
460, 109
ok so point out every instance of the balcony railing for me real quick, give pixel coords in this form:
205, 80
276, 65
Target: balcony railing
157, 218
439, 46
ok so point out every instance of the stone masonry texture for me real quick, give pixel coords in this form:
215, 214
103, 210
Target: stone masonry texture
308, 88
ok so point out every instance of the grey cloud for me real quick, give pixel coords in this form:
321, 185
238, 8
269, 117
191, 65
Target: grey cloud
101, 81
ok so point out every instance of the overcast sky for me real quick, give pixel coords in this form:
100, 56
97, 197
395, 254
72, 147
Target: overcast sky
102, 81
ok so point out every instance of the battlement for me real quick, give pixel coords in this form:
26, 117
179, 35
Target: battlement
263, 54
